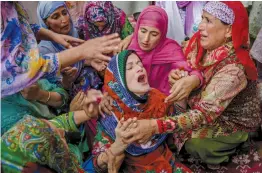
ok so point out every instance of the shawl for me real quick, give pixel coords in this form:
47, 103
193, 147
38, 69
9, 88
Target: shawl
21, 63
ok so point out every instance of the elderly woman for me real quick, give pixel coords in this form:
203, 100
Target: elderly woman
226, 107
32, 141
102, 18
126, 82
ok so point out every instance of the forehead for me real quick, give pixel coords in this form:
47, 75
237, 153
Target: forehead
206, 14
149, 28
59, 9
131, 58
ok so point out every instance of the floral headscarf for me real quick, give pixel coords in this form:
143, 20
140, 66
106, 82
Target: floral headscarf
100, 11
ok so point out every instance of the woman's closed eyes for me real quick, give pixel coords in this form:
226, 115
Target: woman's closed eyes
130, 65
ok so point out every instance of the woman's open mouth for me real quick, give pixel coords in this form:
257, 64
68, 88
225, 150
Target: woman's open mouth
65, 27
203, 36
141, 78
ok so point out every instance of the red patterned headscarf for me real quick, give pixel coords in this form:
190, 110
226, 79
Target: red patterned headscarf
239, 37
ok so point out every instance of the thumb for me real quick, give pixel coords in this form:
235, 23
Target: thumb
67, 45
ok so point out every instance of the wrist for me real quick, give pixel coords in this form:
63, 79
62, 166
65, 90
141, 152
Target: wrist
41, 96
81, 53
196, 81
155, 127
118, 148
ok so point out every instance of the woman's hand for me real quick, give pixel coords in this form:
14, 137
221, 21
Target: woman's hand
123, 45
106, 105
78, 102
69, 75
91, 103
175, 75
66, 40
31, 93
122, 129
98, 48
98, 65
143, 132
182, 88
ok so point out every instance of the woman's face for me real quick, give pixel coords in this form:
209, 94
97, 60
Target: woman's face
100, 25
213, 32
148, 37
59, 21
136, 76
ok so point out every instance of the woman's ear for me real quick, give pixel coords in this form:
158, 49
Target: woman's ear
229, 31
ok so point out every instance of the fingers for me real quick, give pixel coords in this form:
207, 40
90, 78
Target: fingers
109, 49
103, 57
81, 99
129, 138
77, 96
66, 44
111, 165
126, 124
105, 105
110, 37
73, 39
66, 69
174, 74
174, 92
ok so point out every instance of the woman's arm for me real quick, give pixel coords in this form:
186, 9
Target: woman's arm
105, 149
50, 98
65, 40
103, 143
214, 99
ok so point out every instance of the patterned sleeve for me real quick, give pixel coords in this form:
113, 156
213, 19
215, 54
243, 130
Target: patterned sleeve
22, 64
219, 92
101, 143
35, 28
182, 64
65, 121
126, 27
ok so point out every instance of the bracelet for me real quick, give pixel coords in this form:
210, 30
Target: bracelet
49, 96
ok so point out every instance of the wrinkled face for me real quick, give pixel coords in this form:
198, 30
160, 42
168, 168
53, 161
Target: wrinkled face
59, 21
213, 32
136, 76
148, 37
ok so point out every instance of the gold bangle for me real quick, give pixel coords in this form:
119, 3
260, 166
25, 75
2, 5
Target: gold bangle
49, 96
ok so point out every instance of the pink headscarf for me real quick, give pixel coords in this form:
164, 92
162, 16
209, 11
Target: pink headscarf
167, 52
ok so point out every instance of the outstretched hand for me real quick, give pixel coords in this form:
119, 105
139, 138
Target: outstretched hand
98, 48
66, 40
91, 103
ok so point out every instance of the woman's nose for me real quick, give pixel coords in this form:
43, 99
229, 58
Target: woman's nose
64, 19
201, 26
146, 38
139, 69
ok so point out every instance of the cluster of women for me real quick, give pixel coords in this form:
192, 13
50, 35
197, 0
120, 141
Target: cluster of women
100, 96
